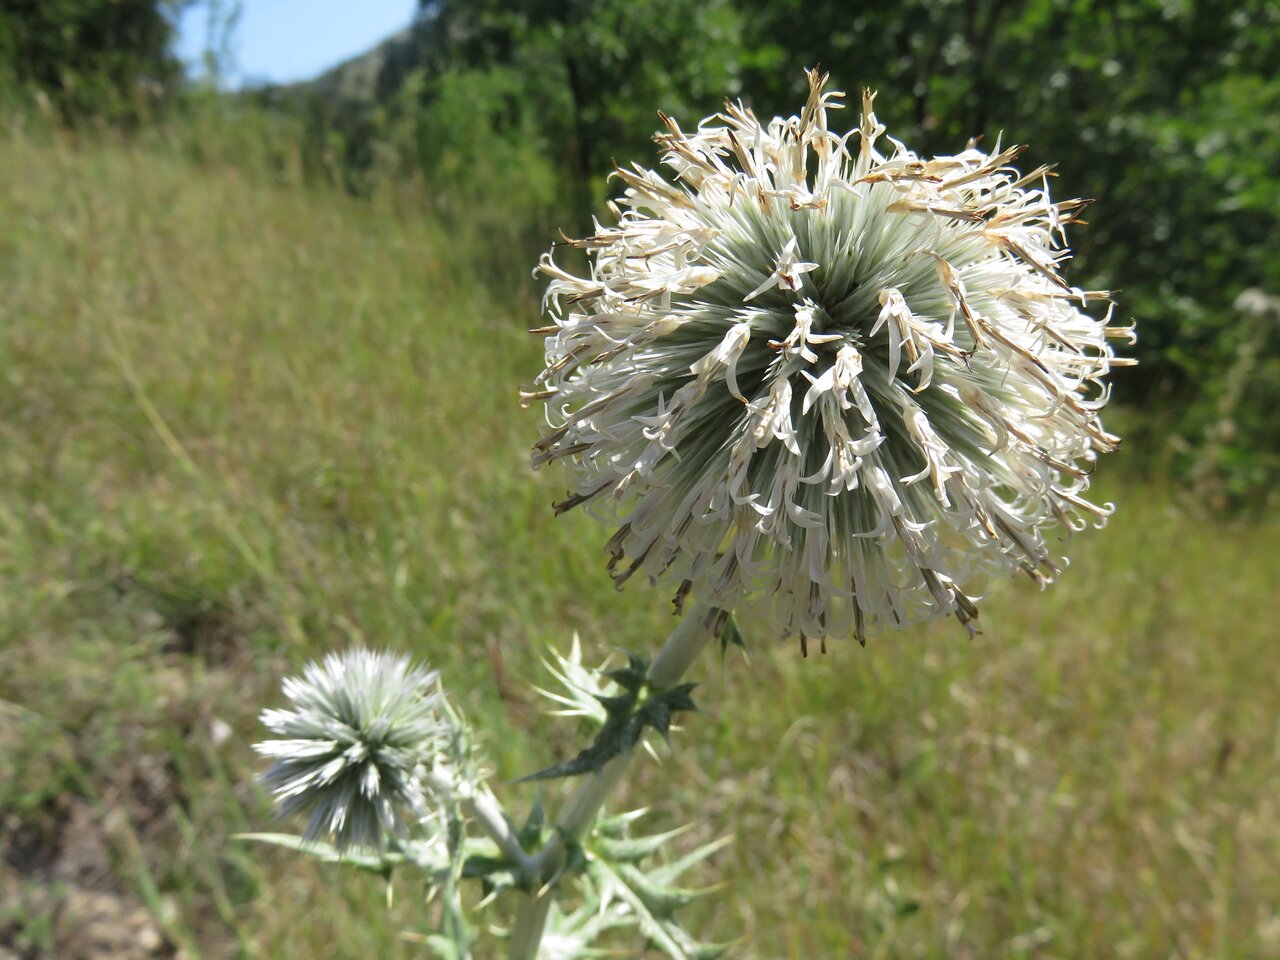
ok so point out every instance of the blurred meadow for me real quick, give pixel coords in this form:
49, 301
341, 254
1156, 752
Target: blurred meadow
259, 362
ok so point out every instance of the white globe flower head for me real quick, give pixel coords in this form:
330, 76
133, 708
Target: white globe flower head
826, 381
364, 730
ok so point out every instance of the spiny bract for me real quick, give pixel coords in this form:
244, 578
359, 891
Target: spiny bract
824, 382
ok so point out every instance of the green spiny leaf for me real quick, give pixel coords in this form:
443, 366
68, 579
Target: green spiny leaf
633, 676
482, 866
731, 636
617, 824
575, 858
662, 932
380, 863
678, 698
631, 849
609, 743
530, 834
708, 951
618, 706
623, 729
669, 872
662, 900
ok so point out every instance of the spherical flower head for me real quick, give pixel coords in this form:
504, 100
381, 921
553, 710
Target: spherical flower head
818, 377
363, 730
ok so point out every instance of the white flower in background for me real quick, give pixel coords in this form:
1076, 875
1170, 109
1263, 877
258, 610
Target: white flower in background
825, 381
363, 732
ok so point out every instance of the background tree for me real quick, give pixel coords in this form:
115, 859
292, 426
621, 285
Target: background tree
1166, 113
107, 58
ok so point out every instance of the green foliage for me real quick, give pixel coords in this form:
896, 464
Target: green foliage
1217, 446
482, 148
109, 59
596, 72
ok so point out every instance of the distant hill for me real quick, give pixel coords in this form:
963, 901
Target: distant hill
343, 115
357, 79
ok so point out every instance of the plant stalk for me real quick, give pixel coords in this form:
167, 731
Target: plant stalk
481, 806
582, 808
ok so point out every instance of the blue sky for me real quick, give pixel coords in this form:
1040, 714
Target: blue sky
285, 40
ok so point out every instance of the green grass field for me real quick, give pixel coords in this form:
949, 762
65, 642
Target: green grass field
242, 424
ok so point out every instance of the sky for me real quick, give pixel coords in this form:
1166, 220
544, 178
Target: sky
280, 41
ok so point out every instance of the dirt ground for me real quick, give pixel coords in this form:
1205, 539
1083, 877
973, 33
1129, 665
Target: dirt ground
59, 897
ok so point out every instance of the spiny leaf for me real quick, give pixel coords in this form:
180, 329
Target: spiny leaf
633, 676
617, 824
661, 899
678, 697
575, 858
668, 872
709, 951
661, 931
731, 636
607, 745
379, 863
530, 834
615, 706
482, 866
578, 685
631, 849
657, 715
657, 712
575, 932
444, 947
650, 926
623, 729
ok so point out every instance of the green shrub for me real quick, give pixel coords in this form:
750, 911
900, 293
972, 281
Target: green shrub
110, 59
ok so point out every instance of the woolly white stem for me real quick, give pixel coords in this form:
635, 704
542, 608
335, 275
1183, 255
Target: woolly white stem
487, 812
583, 806
482, 807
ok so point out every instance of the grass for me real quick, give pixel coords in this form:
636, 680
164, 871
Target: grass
244, 423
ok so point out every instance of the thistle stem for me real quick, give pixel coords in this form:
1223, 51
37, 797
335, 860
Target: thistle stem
582, 808
480, 805
485, 810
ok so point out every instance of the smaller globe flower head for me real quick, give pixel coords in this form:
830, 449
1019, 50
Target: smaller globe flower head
833, 384
363, 731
